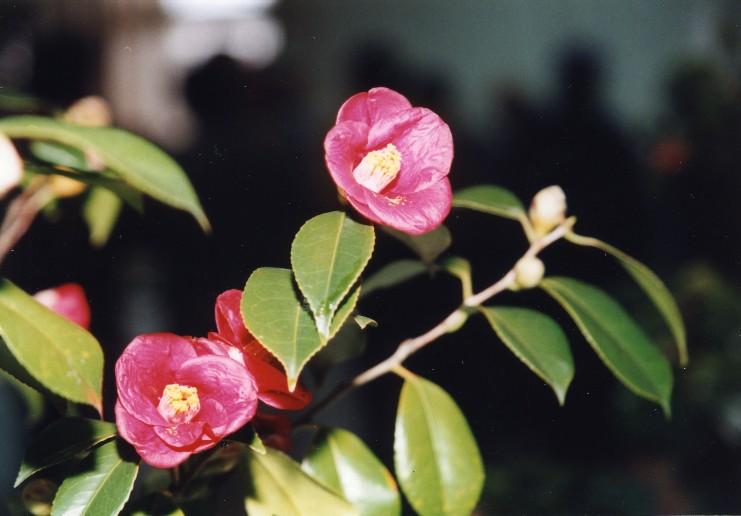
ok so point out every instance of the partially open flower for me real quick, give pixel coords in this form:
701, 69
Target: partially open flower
270, 378
69, 301
548, 209
11, 166
174, 401
391, 160
528, 272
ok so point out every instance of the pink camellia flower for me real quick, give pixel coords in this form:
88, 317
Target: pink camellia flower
67, 300
175, 398
270, 378
391, 160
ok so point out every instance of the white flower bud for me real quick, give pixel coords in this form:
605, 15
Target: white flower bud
548, 209
529, 272
11, 166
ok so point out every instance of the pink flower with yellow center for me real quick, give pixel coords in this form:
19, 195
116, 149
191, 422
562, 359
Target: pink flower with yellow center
175, 398
391, 160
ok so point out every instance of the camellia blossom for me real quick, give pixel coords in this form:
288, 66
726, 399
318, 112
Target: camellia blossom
176, 398
69, 301
270, 378
391, 160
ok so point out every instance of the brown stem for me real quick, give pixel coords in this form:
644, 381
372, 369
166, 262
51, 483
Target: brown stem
21, 214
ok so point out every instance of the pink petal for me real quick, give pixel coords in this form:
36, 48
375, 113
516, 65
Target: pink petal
146, 366
414, 213
215, 416
228, 314
370, 107
216, 345
69, 301
149, 446
344, 147
225, 381
181, 436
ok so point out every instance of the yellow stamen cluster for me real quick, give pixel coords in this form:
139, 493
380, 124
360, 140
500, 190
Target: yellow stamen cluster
378, 168
179, 403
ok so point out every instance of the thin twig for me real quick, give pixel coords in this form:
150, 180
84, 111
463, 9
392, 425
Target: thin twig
447, 325
21, 214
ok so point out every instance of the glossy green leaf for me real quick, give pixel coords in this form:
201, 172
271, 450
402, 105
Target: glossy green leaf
138, 162
437, 461
428, 246
651, 285
101, 485
59, 154
101, 211
365, 322
57, 353
344, 311
273, 313
281, 487
343, 463
490, 199
461, 269
538, 342
61, 441
616, 338
328, 255
393, 274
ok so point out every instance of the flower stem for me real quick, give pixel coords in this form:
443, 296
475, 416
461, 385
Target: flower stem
447, 325
21, 214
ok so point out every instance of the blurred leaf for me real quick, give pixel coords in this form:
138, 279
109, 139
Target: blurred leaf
138, 162
101, 211
461, 269
274, 314
437, 461
428, 246
393, 274
538, 342
344, 464
280, 487
616, 338
32, 398
257, 445
490, 199
364, 321
102, 484
651, 285
328, 255
59, 154
62, 440
59, 354
19, 102
155, 504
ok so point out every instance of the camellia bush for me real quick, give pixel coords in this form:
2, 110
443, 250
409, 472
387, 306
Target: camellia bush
205, 424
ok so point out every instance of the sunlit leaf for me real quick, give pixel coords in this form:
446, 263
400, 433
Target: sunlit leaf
101, 211
102, 483
344, 464
428, 246
344, 311
393, 274
436, 458
138, 162
328, 255
651, 285
616, 338
490, 199
364, 321
538, 342
57, 353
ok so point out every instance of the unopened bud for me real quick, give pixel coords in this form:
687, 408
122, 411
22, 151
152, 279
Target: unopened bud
528, 272
90, 111
11, 166
64, 186
548, 209
37, 496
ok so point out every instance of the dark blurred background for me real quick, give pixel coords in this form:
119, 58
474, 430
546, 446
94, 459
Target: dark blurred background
632, 106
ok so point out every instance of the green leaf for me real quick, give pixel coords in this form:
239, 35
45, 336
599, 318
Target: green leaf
327, 256
102, 484
59, 154
138, 162
461, 269
273, 313
616, 338
281, 487
393, 274
57, 353
490, 199
344, 311
101, 211
437, 461
343, 463
538, 342
364, 321
32, 398
61, 441
651, 285
428, 246
155, 504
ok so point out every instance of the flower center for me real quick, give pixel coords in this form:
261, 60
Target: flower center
179, 403
378, 168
